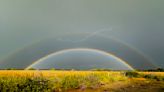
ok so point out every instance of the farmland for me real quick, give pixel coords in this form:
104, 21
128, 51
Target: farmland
80, 81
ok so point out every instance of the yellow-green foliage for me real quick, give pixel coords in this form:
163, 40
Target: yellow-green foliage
44, 81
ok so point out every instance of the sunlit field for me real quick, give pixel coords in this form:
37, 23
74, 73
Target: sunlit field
80, 81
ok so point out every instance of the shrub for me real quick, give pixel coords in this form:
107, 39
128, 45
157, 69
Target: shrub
132, 74
154, 77
13, 84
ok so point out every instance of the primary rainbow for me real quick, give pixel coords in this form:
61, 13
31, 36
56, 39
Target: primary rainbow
81, 49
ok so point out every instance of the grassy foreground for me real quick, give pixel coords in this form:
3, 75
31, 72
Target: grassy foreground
79, 81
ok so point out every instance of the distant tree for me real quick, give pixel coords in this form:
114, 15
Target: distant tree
101, 69
31, 69
159, 69
156, 70
11, 69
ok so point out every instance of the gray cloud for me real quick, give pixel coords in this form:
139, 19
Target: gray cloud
136, 22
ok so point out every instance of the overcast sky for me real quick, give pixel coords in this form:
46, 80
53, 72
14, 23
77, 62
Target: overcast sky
139, 23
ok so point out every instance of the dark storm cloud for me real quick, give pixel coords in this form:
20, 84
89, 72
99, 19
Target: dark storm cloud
137, 22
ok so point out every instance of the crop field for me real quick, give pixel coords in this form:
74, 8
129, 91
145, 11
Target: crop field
80, 81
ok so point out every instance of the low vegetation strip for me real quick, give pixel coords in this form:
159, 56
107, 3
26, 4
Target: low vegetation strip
61, 81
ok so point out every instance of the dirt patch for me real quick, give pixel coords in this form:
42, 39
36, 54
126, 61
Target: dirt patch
141, 86
130, 86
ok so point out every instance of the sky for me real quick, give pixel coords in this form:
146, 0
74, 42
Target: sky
138, 23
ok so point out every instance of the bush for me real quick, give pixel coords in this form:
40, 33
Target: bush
13, 84
131, 74
154, 77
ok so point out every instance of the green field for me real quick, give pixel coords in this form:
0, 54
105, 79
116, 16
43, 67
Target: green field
80, 81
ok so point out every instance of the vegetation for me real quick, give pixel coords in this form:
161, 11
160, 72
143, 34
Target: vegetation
59, 81
22, 84
132, 74
44, 81
156, 70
